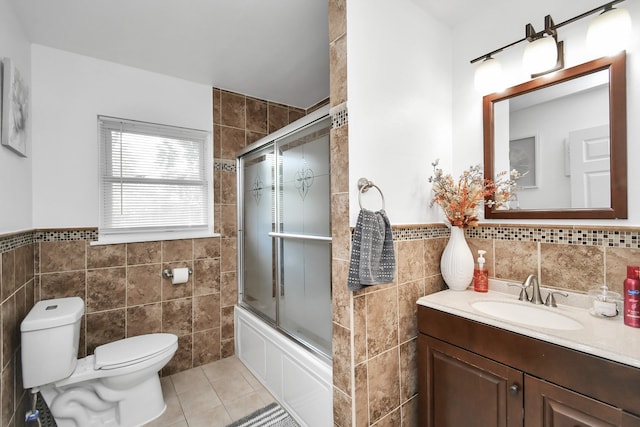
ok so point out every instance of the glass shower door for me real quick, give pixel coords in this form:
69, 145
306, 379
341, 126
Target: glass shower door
285, 234
259, 286
304, 238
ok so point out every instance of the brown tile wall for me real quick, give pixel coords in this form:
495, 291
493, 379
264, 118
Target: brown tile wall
384, 333
17, 294
344, 393
126, 295
573, 258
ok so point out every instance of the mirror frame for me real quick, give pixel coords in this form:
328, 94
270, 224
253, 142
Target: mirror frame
618, 139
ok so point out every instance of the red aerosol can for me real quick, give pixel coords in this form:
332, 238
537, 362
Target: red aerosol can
632, 297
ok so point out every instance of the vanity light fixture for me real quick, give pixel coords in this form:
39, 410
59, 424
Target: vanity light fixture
541, 55
488, 77
610, 32
544, 53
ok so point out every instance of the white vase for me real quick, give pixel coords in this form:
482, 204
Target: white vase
456, 264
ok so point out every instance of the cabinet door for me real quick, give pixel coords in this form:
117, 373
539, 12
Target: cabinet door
548, 405
463, 389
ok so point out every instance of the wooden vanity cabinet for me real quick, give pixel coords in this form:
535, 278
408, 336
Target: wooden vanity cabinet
465, 389
473, 374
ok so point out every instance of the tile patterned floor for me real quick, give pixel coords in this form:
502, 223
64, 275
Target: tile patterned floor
212, 395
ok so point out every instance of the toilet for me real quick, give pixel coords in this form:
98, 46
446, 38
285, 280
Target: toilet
117, 386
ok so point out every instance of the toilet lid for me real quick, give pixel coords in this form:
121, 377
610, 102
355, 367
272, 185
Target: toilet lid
132, 350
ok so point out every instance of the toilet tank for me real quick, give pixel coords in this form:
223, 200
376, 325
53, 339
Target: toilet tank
50, 335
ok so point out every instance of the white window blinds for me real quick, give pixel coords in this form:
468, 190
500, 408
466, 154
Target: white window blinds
153, 178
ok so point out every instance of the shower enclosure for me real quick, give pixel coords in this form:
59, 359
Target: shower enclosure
284, 232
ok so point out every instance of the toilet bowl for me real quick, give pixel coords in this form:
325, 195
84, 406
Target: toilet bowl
117, 386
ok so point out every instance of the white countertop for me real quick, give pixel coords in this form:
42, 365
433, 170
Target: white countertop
609, 338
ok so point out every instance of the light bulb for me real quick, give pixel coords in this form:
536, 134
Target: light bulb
540, 55
610, 32
488, 77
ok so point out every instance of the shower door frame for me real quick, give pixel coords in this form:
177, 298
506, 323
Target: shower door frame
307, 121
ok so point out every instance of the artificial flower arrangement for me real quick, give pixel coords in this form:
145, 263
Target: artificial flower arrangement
460, 200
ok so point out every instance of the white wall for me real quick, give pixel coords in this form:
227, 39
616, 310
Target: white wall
495, 28
15, 171
399, 102
69, 92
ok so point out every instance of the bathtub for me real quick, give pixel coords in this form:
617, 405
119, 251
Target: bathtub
299, 380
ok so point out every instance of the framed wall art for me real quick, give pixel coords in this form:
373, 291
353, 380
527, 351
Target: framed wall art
15, 108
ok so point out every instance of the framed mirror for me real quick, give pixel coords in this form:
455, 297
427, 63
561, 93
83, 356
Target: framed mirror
566, 134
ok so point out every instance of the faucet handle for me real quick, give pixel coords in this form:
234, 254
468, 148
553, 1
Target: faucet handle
524, 296
551, 299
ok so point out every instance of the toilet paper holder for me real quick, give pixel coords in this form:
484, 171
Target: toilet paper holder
168, 274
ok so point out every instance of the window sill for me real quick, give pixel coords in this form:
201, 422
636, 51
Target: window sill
113, 239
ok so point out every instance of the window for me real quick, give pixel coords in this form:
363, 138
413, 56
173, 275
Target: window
155, 181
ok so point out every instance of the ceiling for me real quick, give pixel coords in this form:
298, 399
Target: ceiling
452, 12
276, 50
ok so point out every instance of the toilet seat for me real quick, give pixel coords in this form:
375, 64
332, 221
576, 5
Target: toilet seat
119, 360
130, 351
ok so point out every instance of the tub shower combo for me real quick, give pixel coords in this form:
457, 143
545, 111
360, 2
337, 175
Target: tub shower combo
283, 317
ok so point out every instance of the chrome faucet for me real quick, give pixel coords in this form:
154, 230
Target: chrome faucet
536, 298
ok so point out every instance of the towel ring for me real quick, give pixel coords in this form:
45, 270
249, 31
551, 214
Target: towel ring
363, 186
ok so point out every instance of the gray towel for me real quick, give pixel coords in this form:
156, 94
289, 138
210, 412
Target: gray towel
373, 260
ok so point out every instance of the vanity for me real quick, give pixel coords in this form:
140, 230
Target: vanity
477, 367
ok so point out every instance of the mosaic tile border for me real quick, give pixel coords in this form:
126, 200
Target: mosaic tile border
12, 241
339, 115
60, 235
623, 237
224, 165
419, 233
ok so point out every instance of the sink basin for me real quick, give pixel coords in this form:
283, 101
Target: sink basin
527, 314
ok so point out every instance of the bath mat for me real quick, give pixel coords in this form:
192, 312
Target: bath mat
272, 415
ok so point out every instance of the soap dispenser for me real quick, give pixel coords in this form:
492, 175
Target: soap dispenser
481, 274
